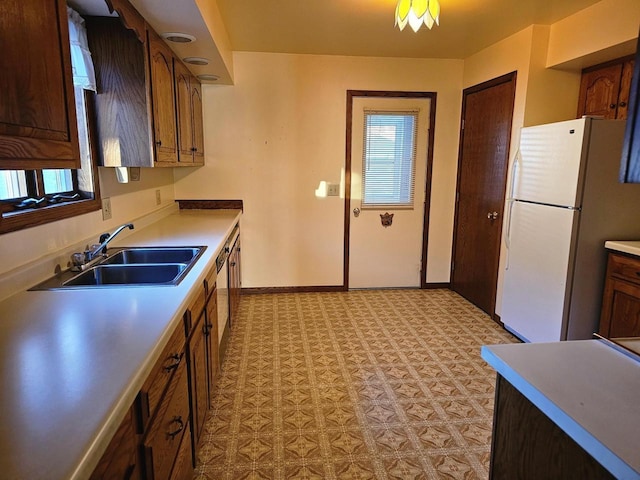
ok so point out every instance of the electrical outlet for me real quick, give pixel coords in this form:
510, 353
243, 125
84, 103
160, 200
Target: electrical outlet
333, 189
106, 208
158, 197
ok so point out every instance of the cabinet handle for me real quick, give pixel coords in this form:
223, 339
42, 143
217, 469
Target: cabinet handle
159, 143
180, 423
233, 264
613, 105
194, 149
623, 104
178, 358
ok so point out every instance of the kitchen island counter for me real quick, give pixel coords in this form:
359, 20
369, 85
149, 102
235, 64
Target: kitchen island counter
74, 360
588, 389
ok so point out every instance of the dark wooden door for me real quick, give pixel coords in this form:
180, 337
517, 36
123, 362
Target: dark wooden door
487, 112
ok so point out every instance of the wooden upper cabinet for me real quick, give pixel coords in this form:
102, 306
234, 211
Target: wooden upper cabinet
198, 122
185, 122
190, 128
163, 100
604, 89
38, 126
630, 168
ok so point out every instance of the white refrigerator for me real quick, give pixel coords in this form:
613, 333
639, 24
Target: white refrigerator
565, 202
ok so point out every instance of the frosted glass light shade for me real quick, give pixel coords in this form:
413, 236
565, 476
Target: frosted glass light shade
416, 13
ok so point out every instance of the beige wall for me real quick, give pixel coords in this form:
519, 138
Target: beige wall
606, 30
280, 130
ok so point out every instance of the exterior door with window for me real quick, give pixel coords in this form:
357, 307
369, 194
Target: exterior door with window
389, 138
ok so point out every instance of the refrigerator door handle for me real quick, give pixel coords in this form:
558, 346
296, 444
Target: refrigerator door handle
507, 233
517, 158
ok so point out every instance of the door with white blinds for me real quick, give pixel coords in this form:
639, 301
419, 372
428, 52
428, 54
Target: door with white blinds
388, 177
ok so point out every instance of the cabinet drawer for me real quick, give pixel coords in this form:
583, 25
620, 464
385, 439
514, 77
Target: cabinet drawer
171, 359
624, 267
165, 434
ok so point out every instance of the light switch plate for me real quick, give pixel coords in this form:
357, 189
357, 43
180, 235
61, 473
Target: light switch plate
333, 189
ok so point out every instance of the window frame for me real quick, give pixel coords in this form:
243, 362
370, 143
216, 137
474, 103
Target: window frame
13, 220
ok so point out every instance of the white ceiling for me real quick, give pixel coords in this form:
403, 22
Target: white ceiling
344, 27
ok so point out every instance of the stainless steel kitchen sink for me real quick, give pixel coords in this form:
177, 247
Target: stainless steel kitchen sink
130, 256
130, 267
150, 274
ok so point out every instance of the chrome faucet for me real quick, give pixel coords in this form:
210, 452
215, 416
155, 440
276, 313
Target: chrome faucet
82, 261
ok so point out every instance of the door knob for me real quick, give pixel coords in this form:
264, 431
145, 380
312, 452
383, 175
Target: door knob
356, 212
492, 215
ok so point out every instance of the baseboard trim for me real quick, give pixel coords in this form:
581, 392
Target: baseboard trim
309, 289
325, 288
211, 204
435, 286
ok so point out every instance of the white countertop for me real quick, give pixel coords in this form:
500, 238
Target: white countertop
587, 388
630, 247
73, 361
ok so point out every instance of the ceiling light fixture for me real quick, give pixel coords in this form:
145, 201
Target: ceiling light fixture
178, 37
416, 13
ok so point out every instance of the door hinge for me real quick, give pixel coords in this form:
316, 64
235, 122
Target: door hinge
462, 124
453, 266
457, 197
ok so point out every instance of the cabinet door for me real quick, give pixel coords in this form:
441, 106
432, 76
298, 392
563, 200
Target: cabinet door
38, 126
234, 280
119, 460
198, 122
163, 100
183, 101
625, 89
163, 439
211, 334
198, 372
599, 91
621, 310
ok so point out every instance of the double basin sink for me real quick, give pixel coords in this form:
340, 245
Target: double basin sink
143, 266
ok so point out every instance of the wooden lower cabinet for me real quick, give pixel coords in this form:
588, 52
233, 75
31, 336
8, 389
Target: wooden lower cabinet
213, 363
159, 436
164, 436
198, 377
620, 315
526, 444
235, 281
120, 460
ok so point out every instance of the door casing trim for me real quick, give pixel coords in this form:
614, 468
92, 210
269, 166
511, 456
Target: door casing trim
351, 94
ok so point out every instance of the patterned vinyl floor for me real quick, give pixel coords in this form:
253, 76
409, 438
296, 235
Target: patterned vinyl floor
385, 384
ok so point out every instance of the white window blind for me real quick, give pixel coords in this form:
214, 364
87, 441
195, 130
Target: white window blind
388, 159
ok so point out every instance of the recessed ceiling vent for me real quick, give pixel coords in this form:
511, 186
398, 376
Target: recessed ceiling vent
196, 60
178, 37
